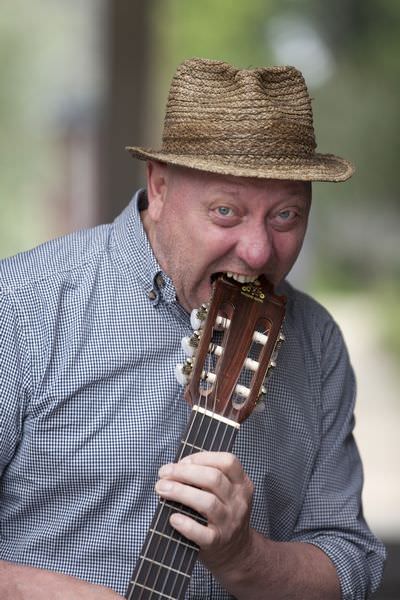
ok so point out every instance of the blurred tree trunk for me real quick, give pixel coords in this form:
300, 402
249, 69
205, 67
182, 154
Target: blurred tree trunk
127, 58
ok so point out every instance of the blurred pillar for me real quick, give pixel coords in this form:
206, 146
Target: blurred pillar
127, 67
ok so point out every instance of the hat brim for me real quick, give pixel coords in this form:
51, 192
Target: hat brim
319, 167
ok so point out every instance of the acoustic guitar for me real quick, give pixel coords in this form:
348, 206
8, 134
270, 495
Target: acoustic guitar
233, 348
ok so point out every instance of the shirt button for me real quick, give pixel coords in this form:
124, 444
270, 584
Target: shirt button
160, 280
151, 295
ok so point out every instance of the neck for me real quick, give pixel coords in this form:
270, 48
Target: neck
167, 558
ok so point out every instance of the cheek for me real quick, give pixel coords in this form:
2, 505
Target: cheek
206, 242
287, 249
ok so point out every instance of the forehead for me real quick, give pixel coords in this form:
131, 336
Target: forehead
239, 186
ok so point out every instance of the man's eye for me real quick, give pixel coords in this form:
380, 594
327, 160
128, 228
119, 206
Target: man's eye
286, 215
285, 219
224, 211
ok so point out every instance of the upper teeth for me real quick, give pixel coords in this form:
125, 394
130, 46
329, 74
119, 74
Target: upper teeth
242, 278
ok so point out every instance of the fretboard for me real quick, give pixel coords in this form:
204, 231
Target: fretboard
167, 558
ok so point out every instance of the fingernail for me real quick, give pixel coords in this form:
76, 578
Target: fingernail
176, 519
165, 471
163, 485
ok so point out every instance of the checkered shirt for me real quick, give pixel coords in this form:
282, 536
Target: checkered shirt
90, 336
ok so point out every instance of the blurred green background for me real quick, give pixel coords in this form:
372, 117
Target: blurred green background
80, 80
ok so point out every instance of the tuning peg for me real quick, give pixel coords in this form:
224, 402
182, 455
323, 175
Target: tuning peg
183, 371
190, 344
260, 402
198, 316
279, 341
271, 367
281, 338
181, 378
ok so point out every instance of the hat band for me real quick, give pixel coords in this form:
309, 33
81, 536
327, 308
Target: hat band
239, 146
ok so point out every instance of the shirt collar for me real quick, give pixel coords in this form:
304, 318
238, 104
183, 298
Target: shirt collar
132, 253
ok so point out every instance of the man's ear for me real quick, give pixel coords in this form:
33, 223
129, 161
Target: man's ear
157, 184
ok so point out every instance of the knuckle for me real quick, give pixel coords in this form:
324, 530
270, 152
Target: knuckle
216, 479
249, 486
231, 461
212, 505
243, 507
214, 536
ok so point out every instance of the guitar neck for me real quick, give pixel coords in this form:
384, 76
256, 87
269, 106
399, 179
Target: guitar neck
167, 558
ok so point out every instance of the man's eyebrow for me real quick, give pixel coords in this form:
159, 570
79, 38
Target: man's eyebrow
295, 195
226, 190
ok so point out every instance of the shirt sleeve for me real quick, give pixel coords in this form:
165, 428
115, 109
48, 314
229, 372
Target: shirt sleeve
14, 379
331, 516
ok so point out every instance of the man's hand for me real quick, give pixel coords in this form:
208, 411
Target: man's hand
20, 582
248, 565
215, 485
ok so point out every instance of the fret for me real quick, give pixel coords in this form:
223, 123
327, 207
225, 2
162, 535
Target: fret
192, 446
174, 507
170, 554
180, 541
158, 564
163, 578
152, 592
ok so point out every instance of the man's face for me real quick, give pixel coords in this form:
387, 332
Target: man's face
200, 224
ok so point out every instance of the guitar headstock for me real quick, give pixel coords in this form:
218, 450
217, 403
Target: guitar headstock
236, 342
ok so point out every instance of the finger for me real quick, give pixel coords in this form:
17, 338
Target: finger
207, 478
224, 461
203, 502
201, 535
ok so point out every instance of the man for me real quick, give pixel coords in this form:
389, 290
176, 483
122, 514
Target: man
91, 328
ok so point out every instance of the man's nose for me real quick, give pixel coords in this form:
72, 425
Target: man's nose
254, 247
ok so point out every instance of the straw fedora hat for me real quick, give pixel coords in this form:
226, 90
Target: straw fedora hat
244, 122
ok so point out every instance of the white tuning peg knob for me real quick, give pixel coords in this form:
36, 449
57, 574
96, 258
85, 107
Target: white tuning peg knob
190, 344
181, 377
194, 319
198, 316
183, 372
187, 347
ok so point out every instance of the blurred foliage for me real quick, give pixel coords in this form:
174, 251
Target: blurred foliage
40, 48
382, 296
224, 30
386, 298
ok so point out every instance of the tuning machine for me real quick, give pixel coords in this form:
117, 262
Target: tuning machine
198, 317
183, 371
272, 365
190, 344
279, 342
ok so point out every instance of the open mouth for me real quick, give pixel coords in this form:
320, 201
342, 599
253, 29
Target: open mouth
241, 278
236, 276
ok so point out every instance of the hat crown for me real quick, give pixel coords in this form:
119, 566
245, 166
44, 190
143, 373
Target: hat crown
244, 122
214, 108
